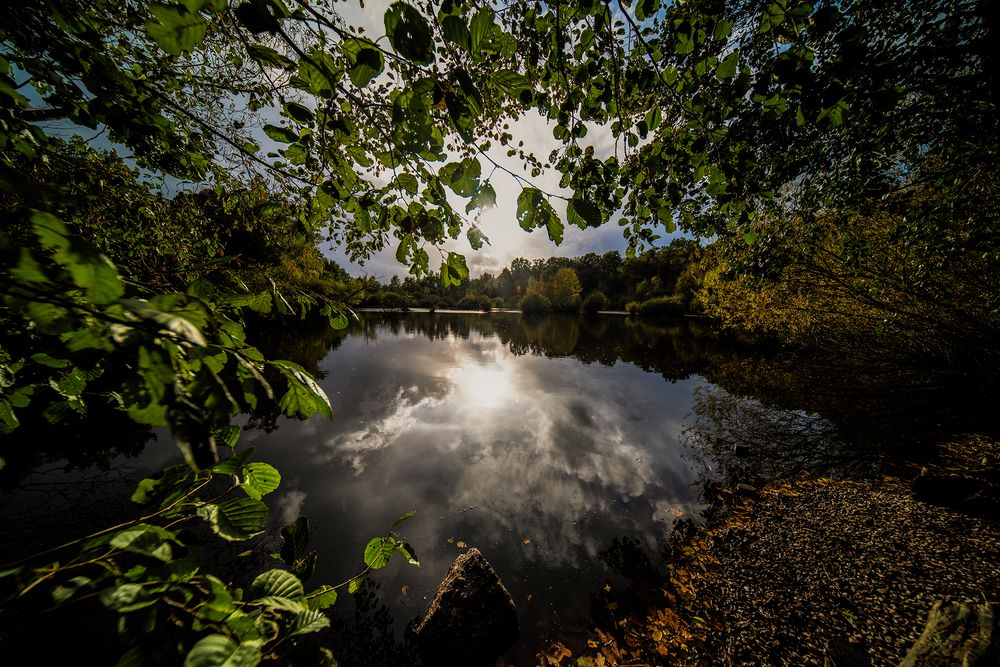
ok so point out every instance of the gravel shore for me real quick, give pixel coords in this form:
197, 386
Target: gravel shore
839, 569
816, 571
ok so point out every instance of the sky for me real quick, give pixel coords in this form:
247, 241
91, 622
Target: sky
506, 239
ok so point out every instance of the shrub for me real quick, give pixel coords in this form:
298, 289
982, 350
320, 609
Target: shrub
475, 302
533, 302
393, 300
632, 307
662, 306
595, 301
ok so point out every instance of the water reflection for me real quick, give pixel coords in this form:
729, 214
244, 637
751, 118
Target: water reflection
565, 448
549, 443
539, 460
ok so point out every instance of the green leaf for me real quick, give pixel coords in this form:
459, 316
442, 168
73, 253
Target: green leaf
456, 31
457, 267
401, 518
282, 135
284, 604
89, 269
237, 519
260, 479
313, 620
583, 214
318, 74
294, 541
481, 29
229, 435
409, 34
833, 117
462, 177
364, 60
653, 118
300, 113
554, 227
304, 396
722, 29
8, 420
510, 82
277, 583
235, 463
221, 651
45, 359
265, 55
322, 597
28, 269
485, 197
534, 210
406, 246
476, 238
147, 540
406, 550
355, 584
163, 484
379, 551
175, 28
168, 321
407, 182
339, 322
727, 68
645, 9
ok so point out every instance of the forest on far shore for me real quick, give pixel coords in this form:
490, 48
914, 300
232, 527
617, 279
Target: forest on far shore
663, 280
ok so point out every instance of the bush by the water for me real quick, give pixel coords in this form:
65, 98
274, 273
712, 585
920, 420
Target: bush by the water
475, 302
595, 301
389, 300
661, 306
533, 302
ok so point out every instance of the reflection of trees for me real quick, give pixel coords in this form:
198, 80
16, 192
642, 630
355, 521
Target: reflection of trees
307, 343
748, 439
37, 442
881, 406
674, 351
875, 407
367, 637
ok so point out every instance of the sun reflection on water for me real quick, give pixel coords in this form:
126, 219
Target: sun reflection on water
484, 385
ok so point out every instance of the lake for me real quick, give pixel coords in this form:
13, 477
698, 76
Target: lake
565, 449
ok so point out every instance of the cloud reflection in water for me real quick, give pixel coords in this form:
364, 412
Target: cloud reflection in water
540, 462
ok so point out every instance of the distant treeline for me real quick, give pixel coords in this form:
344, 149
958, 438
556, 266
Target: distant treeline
662, 281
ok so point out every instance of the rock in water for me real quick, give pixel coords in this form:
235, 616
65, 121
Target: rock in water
471, 620
956, 634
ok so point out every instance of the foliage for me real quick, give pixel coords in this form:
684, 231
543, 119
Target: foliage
653, 273
663, 306
150, 573
564, 291
861, 282
475, 302
534, 303
595, 301
842, 153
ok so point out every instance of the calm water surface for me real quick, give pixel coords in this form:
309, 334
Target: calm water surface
541, 462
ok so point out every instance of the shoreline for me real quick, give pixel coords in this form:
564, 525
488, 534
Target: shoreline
817, 572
